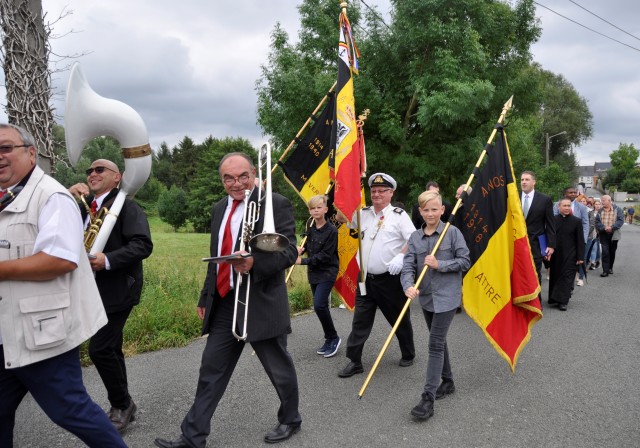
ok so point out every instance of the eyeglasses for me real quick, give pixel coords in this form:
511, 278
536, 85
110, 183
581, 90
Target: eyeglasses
229, 180
381, 191
6, 149
99, 170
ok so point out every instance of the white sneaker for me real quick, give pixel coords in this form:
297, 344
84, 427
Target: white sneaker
579, 282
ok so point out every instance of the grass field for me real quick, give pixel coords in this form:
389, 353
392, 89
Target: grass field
173, 277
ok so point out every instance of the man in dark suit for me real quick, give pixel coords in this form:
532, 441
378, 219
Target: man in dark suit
268, 319
538, 214
118, 271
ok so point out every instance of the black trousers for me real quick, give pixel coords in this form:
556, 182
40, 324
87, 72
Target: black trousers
384, 292
219, 358
609, 247
105, 350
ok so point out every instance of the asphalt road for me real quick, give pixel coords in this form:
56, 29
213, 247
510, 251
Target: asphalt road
576, 384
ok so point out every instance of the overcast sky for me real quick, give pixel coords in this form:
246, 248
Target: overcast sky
189, 68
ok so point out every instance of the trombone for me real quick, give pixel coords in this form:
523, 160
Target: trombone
268, 241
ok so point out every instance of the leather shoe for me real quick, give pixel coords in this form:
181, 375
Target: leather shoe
562, 307
610, 271
405, 362
178, 443
121, 417
281, 432
351, 369
604, 274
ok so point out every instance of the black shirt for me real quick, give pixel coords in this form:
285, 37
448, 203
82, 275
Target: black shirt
322, 252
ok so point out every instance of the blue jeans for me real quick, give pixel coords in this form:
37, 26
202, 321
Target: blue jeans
56, 385
438, 366
321, 293
595, 252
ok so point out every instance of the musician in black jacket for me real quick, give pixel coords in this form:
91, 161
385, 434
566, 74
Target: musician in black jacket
118, 270
268, 321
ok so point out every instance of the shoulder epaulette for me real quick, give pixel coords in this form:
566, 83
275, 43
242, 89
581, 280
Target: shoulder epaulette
398, 210
366, 208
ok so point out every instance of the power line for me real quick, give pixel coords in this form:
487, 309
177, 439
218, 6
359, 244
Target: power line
586, 27
604, 20
375, 13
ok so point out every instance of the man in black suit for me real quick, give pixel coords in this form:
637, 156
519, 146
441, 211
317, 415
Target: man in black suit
538, 214
268, 320
118, 271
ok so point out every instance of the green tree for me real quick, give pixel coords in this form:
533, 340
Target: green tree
566, 113
163, 165
552, 181
171, 207
205, 187
435, 81
623, 161
183, 157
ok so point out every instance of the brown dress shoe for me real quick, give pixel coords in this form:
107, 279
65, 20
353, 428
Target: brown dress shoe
122, 417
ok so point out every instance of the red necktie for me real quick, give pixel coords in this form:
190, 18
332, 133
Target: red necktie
224, 269
94, 207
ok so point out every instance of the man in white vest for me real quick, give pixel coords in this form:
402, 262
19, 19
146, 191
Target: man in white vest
49, 302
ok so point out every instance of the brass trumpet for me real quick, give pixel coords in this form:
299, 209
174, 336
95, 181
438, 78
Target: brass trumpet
267, 241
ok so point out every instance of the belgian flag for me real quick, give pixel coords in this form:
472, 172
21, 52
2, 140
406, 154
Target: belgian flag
500, 289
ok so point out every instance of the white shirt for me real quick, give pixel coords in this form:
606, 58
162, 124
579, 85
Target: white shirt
530, 194
384, 235
59, 229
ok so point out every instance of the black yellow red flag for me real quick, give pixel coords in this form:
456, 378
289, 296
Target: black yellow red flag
500, 290
307, 169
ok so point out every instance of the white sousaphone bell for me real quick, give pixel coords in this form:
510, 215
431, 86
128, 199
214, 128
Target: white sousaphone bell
89, 115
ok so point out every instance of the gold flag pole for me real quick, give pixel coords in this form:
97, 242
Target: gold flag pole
304, 126
505, 109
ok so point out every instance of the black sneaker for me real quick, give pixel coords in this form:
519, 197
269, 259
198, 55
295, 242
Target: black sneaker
446, 388
334, 344
322, 350
424, 409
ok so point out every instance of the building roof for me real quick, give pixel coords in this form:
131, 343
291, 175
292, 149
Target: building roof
586, 171
600, 167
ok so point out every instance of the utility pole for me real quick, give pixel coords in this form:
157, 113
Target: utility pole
547, 140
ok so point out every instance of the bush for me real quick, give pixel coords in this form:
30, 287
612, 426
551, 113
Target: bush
172, 207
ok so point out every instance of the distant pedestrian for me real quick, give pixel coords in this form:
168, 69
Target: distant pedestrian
596, 252
590, 236
321, 247
608, 220
568, 255
630, 212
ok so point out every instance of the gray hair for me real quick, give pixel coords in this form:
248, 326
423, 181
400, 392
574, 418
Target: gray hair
26, 137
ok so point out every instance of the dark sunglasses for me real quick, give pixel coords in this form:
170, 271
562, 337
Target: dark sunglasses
98, 169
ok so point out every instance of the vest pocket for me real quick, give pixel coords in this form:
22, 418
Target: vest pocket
43, 320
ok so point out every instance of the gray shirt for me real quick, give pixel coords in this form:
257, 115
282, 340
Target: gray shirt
440, 289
